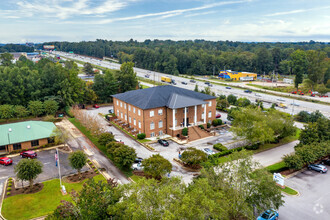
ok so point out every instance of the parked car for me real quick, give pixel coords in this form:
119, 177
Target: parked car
208, 151
137, 166
184, 83
163, 142
28, 154
192, 81
96, 106
228, 87
270, 214
326, 162
207, 83
210, 85
318, 167
6, 161
218, 115
138, 160
247, 91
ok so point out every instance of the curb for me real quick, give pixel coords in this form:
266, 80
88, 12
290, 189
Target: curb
2, 197
295, 173
298, 193
43, 149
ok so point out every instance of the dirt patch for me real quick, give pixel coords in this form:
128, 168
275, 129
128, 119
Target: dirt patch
65, 148
75, 178
25, 190
287, 172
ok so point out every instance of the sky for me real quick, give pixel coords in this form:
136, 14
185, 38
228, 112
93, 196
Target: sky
234, 20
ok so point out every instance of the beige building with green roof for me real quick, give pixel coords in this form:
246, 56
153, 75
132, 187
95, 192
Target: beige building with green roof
24, 135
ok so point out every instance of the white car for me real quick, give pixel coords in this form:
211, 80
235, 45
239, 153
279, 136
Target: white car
137, 166
208, 151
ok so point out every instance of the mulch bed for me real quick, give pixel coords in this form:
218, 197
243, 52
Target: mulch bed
64, 148
84, 175
25, 190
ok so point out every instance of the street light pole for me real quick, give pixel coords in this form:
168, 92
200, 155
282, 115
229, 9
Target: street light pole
59, 168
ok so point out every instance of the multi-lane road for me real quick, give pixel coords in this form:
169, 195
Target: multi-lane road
293, 106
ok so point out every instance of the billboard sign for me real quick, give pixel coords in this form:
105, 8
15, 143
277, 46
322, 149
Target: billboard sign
279, 179
49, 47
247, 78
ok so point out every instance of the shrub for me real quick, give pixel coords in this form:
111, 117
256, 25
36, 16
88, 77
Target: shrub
232, 99
216, 122
252, 147
105, 138
201, 126
8, 188
8, 193
9, 184
277, 167
293, 161
220, 147
185, 132
10, 178
208, 125
193, 157
141, 136
95, 170
226, 152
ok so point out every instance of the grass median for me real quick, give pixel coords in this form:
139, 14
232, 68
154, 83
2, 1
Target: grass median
27, 206
289, 191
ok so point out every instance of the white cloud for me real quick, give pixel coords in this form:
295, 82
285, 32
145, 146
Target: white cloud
297, 11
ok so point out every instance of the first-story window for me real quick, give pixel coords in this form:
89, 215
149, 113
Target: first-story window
160, 124
35, 143
51, 140
130, 119
152, 134
139, 124
118, 113
152, 125
17, 146
134, 121
121, 115
160, 133
210, 114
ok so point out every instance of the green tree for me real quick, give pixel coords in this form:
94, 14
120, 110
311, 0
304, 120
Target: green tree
20, 111
293, 161
193, 157
316, 66
36, 108
77, 161
185, 131
299, 66
243, 102
222, 104
28, 170
6, 111
106, 138
124, 155
50, 107
88, 69
196, 88
60, 136
6, 59
231, 99
127, 77
156, 166
105, 85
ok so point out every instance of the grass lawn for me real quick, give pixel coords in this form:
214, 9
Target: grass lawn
277, 167
289, 191
144, 86
136, 178
94, 139
41, 203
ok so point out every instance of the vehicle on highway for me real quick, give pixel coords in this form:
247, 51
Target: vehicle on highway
207, 83
295, 104
282, 105
146, 76
218, 115
208, 151
294, 92
138, 160
192, 81
281, 100
6, 161
166, 79
96, 106
270, 214
326, 162
137, 166
247, 91
228, 87
318, 167
28, 154
210, 85
258, 95
163, 142
184, 83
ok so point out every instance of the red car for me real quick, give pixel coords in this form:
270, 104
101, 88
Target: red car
218, 115
6, 161
294, 92
96, 106
28, 154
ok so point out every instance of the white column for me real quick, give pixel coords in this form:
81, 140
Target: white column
173, 110
185, 116
204, 113
195, 116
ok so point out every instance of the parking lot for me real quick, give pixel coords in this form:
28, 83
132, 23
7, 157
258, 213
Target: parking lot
50, 171
313, 201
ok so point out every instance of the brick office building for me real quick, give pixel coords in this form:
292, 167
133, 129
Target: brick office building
164, 109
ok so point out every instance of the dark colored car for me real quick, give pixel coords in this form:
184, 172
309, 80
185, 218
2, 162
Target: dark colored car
192, 81
207, 83
184, 83
163, 142
96, 106
326, 162
6, 161
247, 91
228, 87
318, 167
138, 160
28, 154
270, 214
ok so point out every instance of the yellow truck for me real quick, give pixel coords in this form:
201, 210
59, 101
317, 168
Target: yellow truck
282, 105
167, 79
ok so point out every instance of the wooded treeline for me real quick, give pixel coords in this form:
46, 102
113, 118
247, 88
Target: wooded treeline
196, 57
15, 48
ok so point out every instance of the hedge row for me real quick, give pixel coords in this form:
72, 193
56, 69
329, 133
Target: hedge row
220, 147
224, 153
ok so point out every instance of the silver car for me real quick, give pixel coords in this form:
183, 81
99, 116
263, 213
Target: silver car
318, 167
208, 151
137, 166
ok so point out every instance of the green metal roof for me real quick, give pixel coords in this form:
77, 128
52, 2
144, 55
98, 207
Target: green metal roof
25, 131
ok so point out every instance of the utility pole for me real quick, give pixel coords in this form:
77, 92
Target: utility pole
292, 106
213, 70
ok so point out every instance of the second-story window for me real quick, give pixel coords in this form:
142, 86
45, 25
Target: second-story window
152, 125
152, 113
160, 112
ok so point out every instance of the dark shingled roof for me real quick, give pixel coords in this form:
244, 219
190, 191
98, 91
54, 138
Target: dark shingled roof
161, 96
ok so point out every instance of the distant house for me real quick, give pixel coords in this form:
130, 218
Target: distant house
164, 110
24, 135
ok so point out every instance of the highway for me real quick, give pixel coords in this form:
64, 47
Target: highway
293, 106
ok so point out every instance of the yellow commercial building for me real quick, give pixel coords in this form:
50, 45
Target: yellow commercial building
237, 76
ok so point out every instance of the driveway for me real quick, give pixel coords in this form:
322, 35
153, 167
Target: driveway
274, 155
313, 202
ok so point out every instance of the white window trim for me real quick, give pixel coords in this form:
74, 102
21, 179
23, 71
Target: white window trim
139, 124
129, 108
152, 113
139, 112
133, 109
153, 125
160, 112
160, 122
210, 103
210, 114
134, 121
